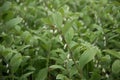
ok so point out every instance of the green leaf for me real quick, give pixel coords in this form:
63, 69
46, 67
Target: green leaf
99, 28
7, 53
87, 56
95, 76
46, 20
31, 68
2, 48
57, 19
66, 27
25, 75
69, 35
8, 56
73, 45
57, 67
18, 28
42, 74
113, 53
61, 52
5, 6
61, 77
26, 35
106, 58
21, 48
45, 43
73, 71
25, 59
116, 66
15, 62
13, 22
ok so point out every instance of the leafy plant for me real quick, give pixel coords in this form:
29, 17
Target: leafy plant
59, 40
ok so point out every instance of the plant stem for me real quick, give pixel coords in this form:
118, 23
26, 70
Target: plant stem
76, 65
71, 53
47, 64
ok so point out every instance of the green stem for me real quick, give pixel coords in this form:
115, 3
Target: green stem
47, 65
76, 65
71, 53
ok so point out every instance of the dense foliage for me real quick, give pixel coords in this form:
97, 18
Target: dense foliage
59, 40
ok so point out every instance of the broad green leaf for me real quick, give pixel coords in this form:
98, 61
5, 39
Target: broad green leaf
15, 62
8, 56
106, 58
116, 66
40, 57
87, 56
99, 28
34, 41
7, 53
73, 71
25, 75
113, 53
69, 35
61, 52
21, 48
26, 35
13, 22
73, 45
65, 9
115, 42
45, 43
62, 77
46, 21
31, 68
2, 48
57, 67
18, 28
42, 74
104, 1
95, 76
66, 27
25, 59
57, 19
5, 6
